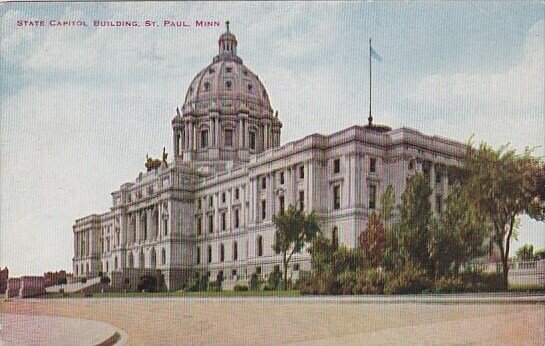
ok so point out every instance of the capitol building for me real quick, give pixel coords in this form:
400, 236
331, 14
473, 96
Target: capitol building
209, 207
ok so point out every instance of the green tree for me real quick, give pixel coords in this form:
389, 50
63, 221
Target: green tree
525, 252
371, 240
295, 229
415, 221
459, 234
502, 185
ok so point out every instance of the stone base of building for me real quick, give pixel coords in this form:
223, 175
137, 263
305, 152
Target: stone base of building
176, 279
129, 278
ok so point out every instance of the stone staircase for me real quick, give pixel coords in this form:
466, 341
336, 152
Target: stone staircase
92, 285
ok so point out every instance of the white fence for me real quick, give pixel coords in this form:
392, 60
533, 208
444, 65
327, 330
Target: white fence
521, 273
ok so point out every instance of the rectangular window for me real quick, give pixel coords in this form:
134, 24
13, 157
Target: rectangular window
237, 194
235, 251
301, 172
263, 209
373, 165
296, 267
252, 140
198, 255
281, 205
302, 200
211, 223
337, 166
237, 221
438, 203
281, 178
223, 221
211, 201
263, 183
336, 197
199, 225
372, 196
223, 197
438, 177
228, 138
258, 270
199, 204
204, 138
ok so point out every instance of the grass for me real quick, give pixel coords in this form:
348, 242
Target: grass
181, 294
525, 288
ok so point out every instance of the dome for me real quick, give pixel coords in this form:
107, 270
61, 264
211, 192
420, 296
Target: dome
228, 83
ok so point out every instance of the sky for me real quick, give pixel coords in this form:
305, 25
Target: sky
80, 107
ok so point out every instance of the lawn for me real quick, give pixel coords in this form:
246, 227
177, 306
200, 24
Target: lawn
181, 294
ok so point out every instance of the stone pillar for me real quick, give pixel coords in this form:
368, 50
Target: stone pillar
240, 133
211, 142
432, 182
271, 200
310, 186
217, 133
137, 226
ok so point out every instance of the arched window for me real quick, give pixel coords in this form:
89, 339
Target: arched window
235, 251
198, 255
204, 138
259, 246
115, 263
276, 241
131, 260
206, 86
228, 84
209, 254
141, 261
335, 237
165, 224
86, 268
163, 257
107, 267
222, 252
144, 225
153, 259
76, 270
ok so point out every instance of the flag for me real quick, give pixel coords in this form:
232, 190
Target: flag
375, 55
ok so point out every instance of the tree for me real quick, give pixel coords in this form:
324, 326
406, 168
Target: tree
459, 234
371, 240
525, 252
502, 185
294, 229
415, 220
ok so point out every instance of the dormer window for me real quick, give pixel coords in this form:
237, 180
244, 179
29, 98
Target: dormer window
211, 71
190, 91
264, 94
250, 87
206, 86
245, 73
229, 69
228, 84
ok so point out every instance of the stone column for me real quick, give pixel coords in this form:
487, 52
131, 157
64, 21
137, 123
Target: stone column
432, 182
218, 132
240, 133
212, 131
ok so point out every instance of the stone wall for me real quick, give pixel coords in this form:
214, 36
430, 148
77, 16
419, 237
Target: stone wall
13, 287
54, 278
4, 274
31, 286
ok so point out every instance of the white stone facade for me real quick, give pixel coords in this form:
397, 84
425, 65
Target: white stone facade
211, 208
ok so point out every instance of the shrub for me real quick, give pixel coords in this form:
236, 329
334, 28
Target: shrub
255, 282
483, 282
304, 282
240, 288
148, 283
83, 280
449, 285
63, 281
371, 281
203, 282
412, 279
105, 280
273, 282
347, 282
214, 286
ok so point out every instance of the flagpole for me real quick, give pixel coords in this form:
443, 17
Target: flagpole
370, 119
